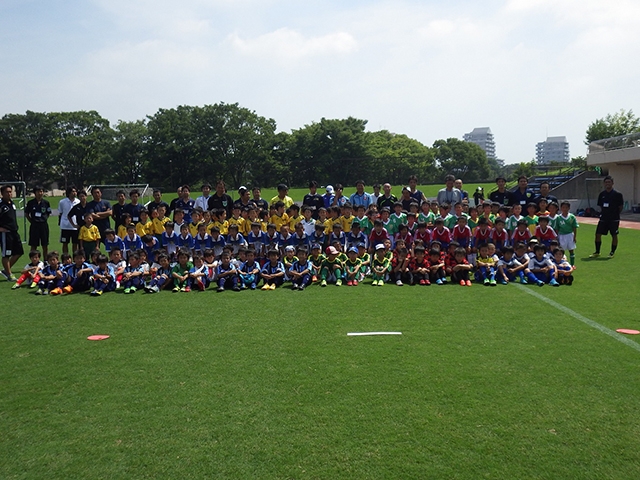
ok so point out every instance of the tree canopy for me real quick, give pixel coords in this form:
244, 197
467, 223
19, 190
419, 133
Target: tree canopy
620, 123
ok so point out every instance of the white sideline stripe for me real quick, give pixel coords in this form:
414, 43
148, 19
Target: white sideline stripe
583, 319
359, 334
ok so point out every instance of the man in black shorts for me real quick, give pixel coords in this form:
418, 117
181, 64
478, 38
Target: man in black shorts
10, 242
611, 204
37, 212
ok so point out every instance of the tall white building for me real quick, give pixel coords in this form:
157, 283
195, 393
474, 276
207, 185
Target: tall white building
482, 137
554, 149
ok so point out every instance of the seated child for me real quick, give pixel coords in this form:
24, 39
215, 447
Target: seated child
111, 240
53, 276
509, 268
226, 273
133, 276
288, 259
103, 279
419, 266
365, 262
163, 277
198, 278
273, 271
380, 265
541, 269
118, 264
300, 270
437, 272
564, 268
485, 264
460, 267
78, 274
31, 271
180, 271
317, 259
352, 266
400, 272
331, 268
249, 271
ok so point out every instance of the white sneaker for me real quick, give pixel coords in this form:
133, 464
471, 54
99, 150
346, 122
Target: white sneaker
399, 283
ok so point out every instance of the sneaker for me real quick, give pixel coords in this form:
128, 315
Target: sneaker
323, 283
69, 289
486, 281
187, 289
45, 292
427, 282
338, 283
594, 255
374, 283
253, 286
554, 283
118, 286
236, 288
350, 283
33, 285
272, 286
127, 290
39, 292
56, 291
98, 292
355, 283
3, 273
265, 287
314, 279
147, 289
133, 289
439, 281
93, 293
463, 283
380, 283
570, 280
492, 282
503, 282
468, 283
423, 282
301, 287
540, 283
294, 286
523, 281
221, 289
612, 254
399, 283
15, 286
12, 278
155, 289
175, 289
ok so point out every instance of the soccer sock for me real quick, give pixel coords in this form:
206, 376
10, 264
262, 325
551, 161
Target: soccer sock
532, 277
598, 245
613, 248
572, 258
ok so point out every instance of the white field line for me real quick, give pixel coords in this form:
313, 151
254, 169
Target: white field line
619, 337
360, 334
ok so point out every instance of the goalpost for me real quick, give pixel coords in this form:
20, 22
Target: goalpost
109, 191
20, 203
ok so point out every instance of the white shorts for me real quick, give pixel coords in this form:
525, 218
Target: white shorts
566, 241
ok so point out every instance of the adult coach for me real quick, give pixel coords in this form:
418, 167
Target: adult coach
68, 233
522, 195
221, 199
101, 210
313, 199
502, 195
37, 212
449, 194
611, 203
10, 241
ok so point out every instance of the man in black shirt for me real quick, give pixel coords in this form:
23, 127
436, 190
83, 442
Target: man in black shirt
101, 210
10, 242
387, 199
544, 194
221, 199
260, 202
611, 204
37, 212
313, 199
502, 195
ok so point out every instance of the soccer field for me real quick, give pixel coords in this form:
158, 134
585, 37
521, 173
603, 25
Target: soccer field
505, 382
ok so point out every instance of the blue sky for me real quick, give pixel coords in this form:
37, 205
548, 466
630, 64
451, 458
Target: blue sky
429, 69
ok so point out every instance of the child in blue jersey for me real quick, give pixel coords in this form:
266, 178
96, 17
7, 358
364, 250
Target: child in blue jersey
356, 236
185, 240
150, 246
198, 274
541, 268
226, 274
235, 239
256, 241
272, 271
202, 240
319, 236
272, 238
52, 277
338, 236
162, 278
132, 241
250, 271
300, 270
132, 278
103, 279
111, 240
170, 240
218, 242
78, 274
564, 268
299, 238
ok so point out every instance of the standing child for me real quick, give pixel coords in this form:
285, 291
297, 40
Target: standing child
567, 225
132, 242
544, 233
89, 235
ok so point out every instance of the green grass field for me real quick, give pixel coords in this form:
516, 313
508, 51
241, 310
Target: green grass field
482, 383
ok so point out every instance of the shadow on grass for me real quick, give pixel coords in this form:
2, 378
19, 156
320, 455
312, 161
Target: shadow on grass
596, 259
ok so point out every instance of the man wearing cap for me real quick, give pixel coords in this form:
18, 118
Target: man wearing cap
245, 199
387, 199
282, 196
220, 199
203, 200
313, 199
502, 196
449, 194
328, 196
360, 197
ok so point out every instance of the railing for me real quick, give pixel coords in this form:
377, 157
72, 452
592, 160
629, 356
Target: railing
615, 143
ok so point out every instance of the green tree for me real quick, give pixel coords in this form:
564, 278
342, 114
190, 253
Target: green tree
462, 159
127, 162
25, 147
620, 123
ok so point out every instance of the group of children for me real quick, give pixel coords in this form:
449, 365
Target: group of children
428, 244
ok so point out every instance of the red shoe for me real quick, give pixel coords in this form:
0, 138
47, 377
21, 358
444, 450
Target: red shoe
468, 283
187, 289
427, 282
314, 279
355, 283
349, 283
463, 283
423, 282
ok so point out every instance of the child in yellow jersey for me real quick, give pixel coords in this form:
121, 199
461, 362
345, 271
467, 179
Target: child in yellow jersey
294, 216
122, 229
159, 220
322, 218
280, 218
218, 219
334, 217
196, 220
145, 225
485, 263
532, 218
347, 217
89, 235
236, 218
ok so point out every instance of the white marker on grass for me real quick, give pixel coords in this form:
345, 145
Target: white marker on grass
360, 334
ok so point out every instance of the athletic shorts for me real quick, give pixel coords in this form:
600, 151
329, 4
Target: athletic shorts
608, 226
10, 244
566, 241
68, 236
39, 234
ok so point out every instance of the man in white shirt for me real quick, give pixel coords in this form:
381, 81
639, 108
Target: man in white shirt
68, 233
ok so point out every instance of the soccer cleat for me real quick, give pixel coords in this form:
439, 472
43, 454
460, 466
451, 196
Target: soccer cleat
380, 283
492, 282
221, 289
45, 292
350, 283
127, 290
374, 283
355, 283
15, 286
39, 291
439, 281
338, 283
12, 278
594, 255
612, 254
175, 289
236, 288
523, 281
98, 292
468, 283
399, 283
323, 283
33, 285
155, 289
301, 287
503, 282
253, 286
540, 283
294, 286
68, 289
93, 293
186, 289
554, 283
463, 283
133, 289
427, 282
56, 291
486, 281
265, 287
4, 274
423, 282
272, 286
